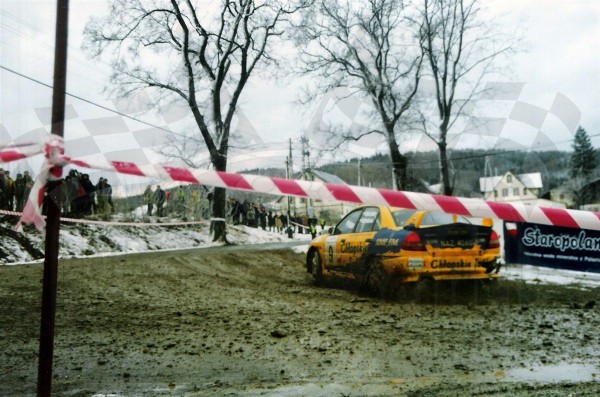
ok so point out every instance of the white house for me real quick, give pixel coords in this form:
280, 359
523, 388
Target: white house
511, 187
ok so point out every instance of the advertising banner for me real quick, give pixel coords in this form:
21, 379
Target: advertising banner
552, 246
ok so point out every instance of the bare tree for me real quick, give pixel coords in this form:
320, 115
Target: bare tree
202, 53
459, 49
365, 48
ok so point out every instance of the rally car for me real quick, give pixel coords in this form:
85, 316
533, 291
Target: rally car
378, 244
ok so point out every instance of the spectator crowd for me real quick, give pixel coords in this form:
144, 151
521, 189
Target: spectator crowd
80, 197
77, 194
256, 215
14, 193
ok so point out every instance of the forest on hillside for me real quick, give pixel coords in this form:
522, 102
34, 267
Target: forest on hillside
467, 167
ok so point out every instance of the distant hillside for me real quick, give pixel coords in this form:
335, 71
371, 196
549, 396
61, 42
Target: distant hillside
468, 166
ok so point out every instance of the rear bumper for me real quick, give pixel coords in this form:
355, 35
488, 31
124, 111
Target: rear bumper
412, 269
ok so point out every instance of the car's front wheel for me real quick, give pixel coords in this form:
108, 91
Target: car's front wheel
316, 268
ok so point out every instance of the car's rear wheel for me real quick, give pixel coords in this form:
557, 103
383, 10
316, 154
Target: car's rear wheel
376, 281
316, 267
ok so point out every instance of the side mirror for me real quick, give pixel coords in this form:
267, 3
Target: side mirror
330, 230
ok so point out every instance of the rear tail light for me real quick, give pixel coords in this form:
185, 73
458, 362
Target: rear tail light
413, 242
494, 241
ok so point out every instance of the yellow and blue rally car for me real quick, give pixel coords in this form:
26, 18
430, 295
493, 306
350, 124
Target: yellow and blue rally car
378, 244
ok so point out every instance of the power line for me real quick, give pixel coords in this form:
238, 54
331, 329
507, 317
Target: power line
88, 101
493, 154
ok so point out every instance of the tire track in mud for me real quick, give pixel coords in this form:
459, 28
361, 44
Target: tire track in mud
248, 321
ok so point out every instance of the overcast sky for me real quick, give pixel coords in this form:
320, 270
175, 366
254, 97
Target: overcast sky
560, 68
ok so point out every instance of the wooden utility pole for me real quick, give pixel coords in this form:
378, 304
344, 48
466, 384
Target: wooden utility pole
359, 182
46, 352
306, 169
291, 176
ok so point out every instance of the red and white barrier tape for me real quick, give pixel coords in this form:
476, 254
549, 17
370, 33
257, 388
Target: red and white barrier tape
516, 212
10, 153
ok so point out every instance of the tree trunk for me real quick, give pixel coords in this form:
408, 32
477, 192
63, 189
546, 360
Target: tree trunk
218, 223
444, 170
219, 197
399, 163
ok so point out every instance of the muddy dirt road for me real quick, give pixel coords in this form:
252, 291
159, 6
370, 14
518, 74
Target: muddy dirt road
247, 322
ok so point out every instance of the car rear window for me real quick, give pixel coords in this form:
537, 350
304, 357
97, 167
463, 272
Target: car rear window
441, 218
401, 216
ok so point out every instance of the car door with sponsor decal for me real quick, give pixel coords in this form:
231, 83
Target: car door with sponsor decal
345, 249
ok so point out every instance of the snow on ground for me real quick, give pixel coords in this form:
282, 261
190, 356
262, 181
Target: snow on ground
546, 275
78, 240
141, 235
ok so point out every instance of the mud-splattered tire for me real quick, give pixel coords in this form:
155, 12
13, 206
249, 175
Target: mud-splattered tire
376, 280
314, 260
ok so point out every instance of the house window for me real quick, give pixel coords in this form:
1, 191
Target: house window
504, 192
524, 191
495, 193
516, 191
509, 178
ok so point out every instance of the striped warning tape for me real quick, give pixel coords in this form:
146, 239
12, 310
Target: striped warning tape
516, 212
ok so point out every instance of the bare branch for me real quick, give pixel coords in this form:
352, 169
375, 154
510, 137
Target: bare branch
361, 48
205, 60
457, 45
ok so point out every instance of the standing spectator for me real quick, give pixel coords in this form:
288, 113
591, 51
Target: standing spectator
279, 223
159, 200
251, 215
19, 192
77, 194
28, 187
262, 216
313, 230
312, 225
103, 196
109, 192
235, 211
180, 200
66, 194
89, 194
149, 199
285, 220
271, 221
245, 208
10, 191
298, 221
304, 220
101, 199
3, 188
167, 198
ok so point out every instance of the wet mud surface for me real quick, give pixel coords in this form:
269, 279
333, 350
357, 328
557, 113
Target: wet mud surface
249, 322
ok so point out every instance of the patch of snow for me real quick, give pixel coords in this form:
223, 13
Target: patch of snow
546, 275
151, 234
78, 240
